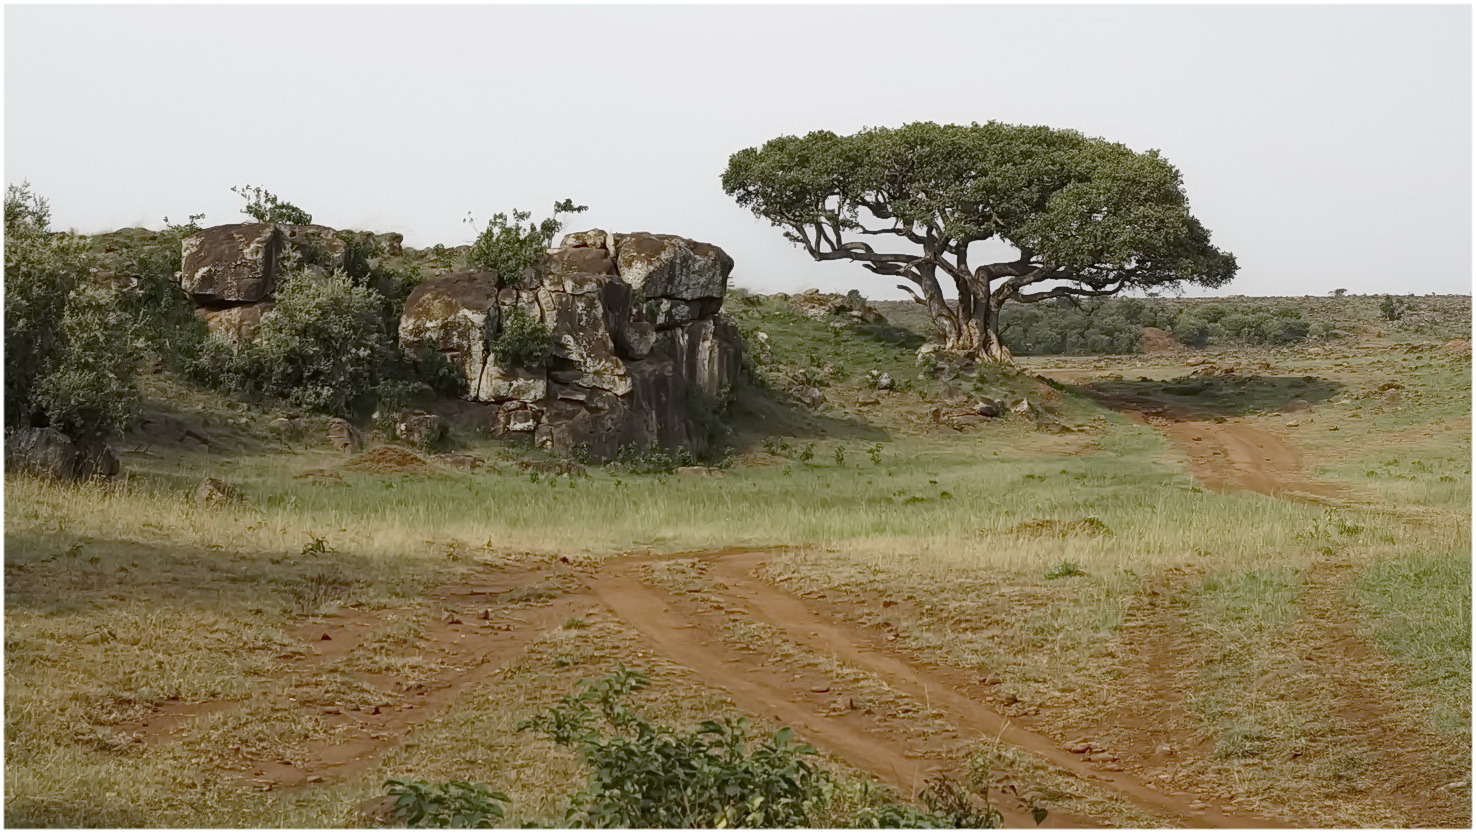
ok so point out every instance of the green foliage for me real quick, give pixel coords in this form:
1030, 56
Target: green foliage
455, 804
161, 310
645, 775
1065, 569
523, 341
41, 270
1392, 308
715, 776
90, 393
1089, 216
265, 207
324, 347
1114, 325
651, 459
508, 247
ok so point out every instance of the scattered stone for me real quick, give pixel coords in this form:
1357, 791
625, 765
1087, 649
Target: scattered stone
343, 436
48, 452
1296, 406
420, 429
284, 427
883, 381
1195, 361
989, 408
820, 689
868, 401
213, 491
809, 396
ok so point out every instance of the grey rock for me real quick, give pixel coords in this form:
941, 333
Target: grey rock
47, 452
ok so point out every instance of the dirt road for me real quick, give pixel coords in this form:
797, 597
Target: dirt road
690, 632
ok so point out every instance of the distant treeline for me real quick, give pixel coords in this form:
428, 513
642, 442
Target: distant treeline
1115, 325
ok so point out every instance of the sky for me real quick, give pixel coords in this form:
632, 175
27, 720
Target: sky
1325, 146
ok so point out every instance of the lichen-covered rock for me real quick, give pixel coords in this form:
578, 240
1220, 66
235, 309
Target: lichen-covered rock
420, 429
812, 303
458, 315
342, 435
666, 266
314, 244
235, 264
237, 324
636, 342
48, 452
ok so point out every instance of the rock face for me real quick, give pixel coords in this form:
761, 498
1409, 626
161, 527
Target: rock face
231, 272
638, 349
50, 453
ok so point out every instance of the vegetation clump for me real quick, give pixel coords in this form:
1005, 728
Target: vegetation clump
523, 341
508, 247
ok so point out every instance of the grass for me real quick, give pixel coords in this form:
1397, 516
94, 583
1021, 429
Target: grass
973, 549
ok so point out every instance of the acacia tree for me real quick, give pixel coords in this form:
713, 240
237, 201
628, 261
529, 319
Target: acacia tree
1085, 217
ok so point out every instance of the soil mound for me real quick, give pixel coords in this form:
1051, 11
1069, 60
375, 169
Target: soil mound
1154, 340
389, 459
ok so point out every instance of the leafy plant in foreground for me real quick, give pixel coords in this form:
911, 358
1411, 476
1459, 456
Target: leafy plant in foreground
454, 804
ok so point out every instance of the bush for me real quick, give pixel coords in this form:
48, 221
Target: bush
41, 270
1392, 309
163, 315
523, 341
323, 347
509, 248
265, 207
644, 775
90, 393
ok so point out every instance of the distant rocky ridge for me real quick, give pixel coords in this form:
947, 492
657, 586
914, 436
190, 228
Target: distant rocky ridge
640, 357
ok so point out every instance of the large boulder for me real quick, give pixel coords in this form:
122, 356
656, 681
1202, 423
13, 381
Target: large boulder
458, 315
48, 452
636, 342
236, 264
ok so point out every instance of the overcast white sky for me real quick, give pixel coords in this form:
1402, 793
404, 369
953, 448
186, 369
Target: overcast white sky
1326, 146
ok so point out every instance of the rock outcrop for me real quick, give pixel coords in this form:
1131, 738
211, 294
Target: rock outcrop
48, 452
638, 352
231, 272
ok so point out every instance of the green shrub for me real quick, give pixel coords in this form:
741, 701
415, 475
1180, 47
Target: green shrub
523, 341
645, 775
455, 804
90, 393
163, 315
715, 775
265, 207
1392, 308
651, 459
323, 347
509, 248
41, 270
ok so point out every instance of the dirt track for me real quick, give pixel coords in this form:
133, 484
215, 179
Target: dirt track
688, 632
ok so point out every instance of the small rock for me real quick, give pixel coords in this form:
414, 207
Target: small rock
325, 638
868, 401
1078, 747
1293, 424
885, 381
1164, 750
820, 689
343, 436
315, 779
1195, 361
699, 471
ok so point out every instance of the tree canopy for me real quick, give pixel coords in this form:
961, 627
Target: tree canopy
1086, 217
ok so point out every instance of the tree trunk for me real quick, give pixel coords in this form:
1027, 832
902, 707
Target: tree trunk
977, 334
